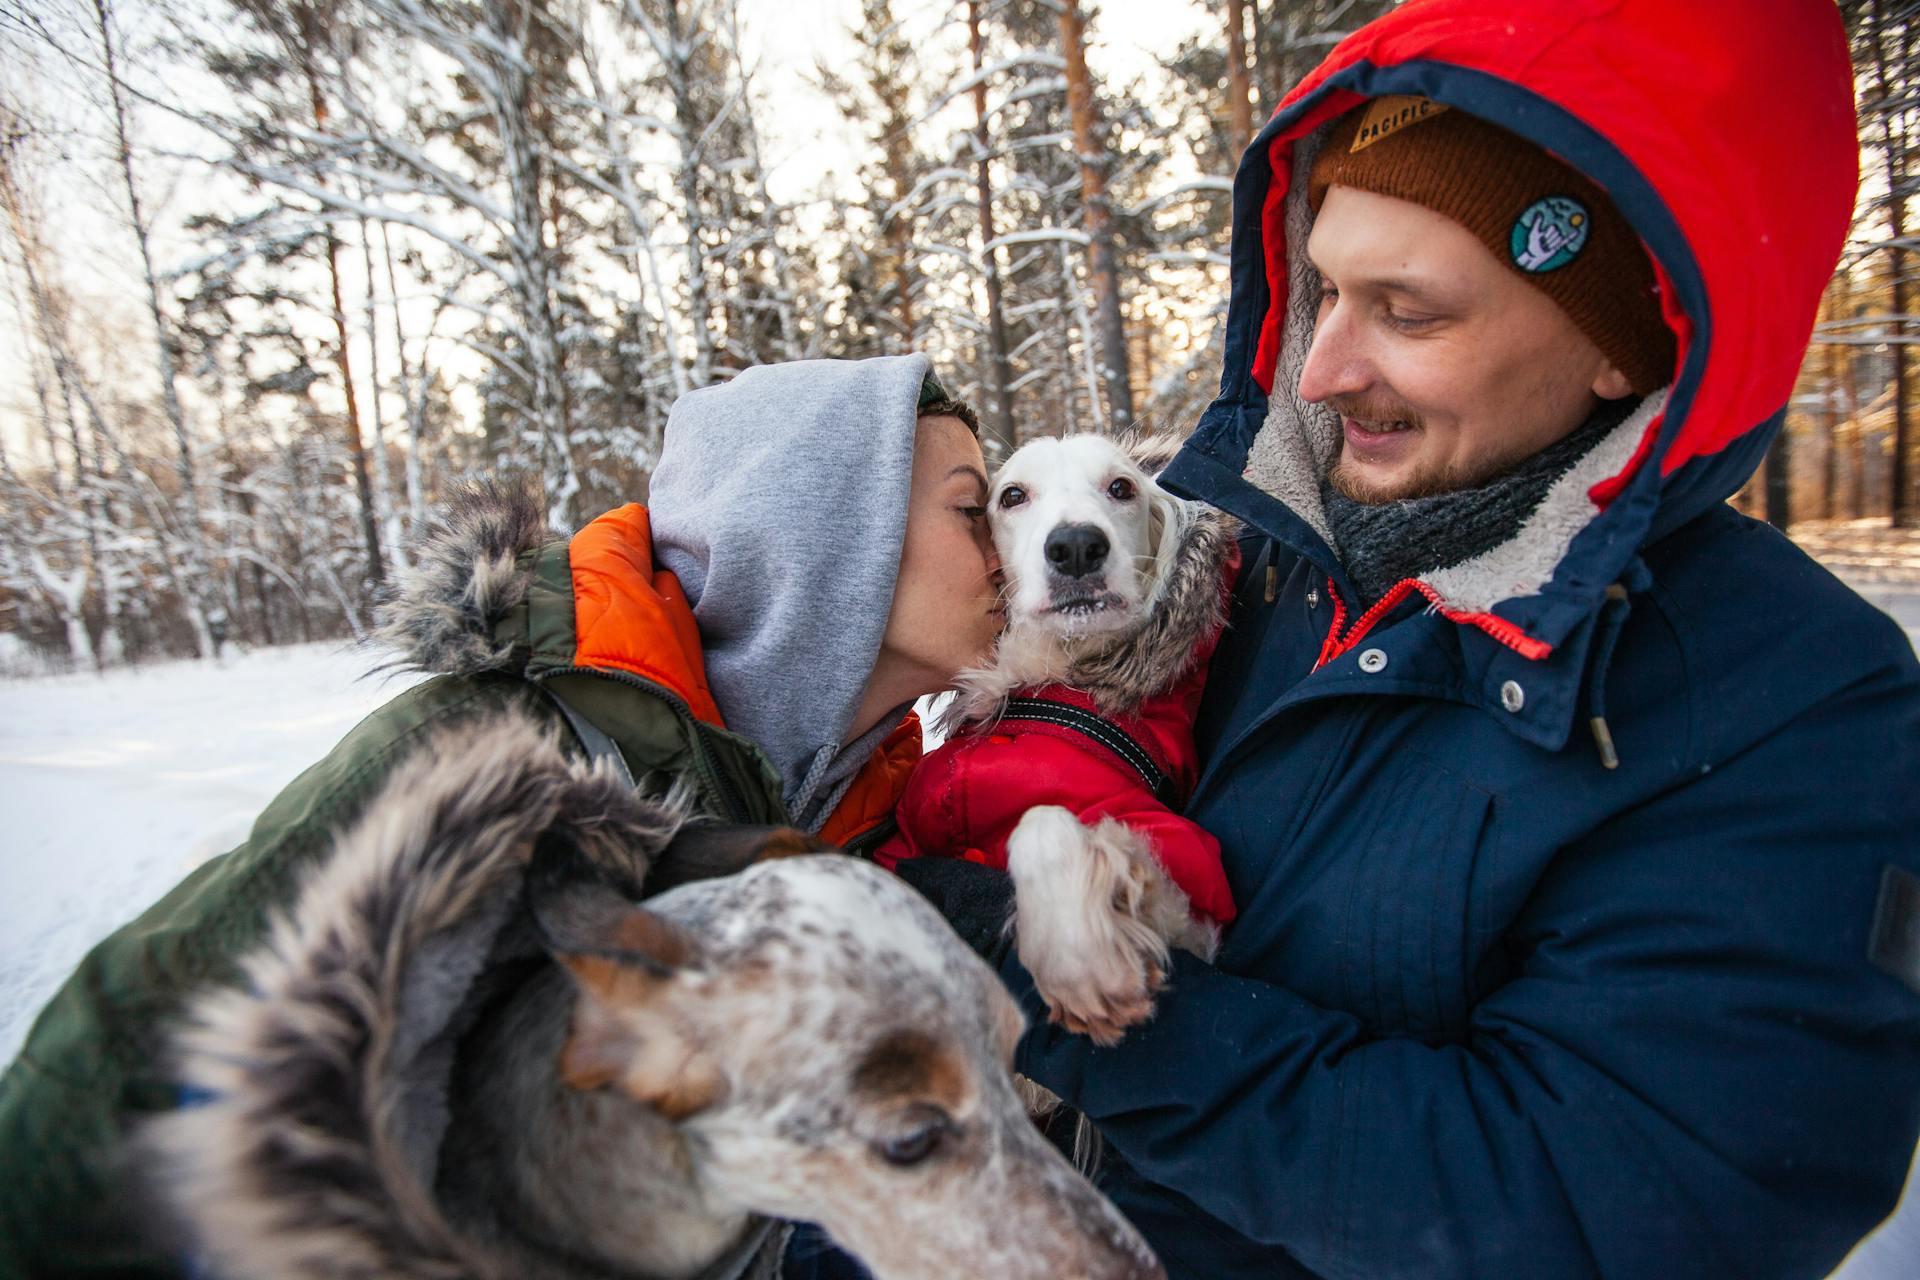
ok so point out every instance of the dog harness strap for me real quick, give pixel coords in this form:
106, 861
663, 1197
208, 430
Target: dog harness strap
599, 746
1101, 730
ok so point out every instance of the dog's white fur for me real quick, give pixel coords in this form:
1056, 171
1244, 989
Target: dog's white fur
1095, 912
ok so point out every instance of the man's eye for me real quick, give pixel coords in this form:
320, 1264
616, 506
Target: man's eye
1399, 321
1012, 496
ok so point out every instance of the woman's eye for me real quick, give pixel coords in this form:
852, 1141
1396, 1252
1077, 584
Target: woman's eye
974, 513
1012, 496
911, 1148
1120, 490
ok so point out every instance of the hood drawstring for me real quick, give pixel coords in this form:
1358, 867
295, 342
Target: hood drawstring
1613, 618
808, 807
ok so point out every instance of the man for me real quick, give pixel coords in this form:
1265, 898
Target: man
814, 559
1572, 816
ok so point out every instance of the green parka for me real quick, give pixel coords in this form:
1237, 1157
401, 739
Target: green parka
506, 621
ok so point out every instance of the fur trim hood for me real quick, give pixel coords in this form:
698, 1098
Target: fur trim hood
492, 589
468, 575
320, 1082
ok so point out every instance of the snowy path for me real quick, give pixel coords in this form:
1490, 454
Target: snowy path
112, 787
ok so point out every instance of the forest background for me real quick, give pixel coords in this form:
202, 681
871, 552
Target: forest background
278, 274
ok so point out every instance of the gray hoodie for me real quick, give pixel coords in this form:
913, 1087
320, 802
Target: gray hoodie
780, 504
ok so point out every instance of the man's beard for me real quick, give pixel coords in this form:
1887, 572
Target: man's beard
1428, 482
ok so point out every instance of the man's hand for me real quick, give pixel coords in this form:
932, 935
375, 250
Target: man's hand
977, 901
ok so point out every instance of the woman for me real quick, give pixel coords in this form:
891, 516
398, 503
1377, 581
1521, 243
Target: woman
815, 559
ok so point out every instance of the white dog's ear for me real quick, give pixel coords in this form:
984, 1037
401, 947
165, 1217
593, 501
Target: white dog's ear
1153, 453
1168, 522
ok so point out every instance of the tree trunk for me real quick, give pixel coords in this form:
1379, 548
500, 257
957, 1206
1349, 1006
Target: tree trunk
389, 519
416, 497
195, 572
999, 418
1239, 105
692, 124
1830, 458
1893, 143
532, 261
1779, 480
1110, 330
356, 444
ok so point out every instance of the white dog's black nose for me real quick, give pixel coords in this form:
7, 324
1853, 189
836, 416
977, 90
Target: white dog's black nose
1076, 550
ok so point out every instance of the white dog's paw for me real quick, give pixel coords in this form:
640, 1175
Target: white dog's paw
1085, 901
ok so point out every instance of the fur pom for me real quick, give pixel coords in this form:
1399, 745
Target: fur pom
466, 576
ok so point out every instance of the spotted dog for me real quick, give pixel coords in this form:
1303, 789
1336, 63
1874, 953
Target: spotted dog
468, 1051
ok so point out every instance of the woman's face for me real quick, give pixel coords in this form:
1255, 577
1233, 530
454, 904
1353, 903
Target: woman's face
946, 606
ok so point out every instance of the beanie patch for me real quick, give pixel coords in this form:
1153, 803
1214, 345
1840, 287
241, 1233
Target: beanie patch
1384, 117
1549, 234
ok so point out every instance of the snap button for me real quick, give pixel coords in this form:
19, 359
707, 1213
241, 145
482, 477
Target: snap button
1512, 696
1373, 660
1313, 597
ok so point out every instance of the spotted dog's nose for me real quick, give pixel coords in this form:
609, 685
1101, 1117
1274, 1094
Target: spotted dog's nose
1076, 550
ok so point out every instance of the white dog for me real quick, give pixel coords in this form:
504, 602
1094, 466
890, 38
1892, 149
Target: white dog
1070, 750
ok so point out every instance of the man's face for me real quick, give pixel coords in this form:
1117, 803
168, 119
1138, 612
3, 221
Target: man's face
1445, 366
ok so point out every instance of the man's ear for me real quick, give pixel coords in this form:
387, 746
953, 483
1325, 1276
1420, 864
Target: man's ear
1611, 384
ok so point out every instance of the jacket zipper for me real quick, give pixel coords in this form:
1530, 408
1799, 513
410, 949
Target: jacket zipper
1497, 628
702, 757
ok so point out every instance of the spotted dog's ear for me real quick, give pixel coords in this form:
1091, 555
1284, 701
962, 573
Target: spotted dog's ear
634, 973
630, 1030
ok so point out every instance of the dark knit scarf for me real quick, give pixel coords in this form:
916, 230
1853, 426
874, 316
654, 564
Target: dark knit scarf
1382, 543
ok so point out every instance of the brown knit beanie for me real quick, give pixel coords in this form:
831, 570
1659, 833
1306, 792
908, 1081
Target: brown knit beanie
1559, 231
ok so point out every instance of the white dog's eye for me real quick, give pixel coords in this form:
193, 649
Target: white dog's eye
1120, 490
1012, 496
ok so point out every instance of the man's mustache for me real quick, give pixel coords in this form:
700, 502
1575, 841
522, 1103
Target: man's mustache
1374, 410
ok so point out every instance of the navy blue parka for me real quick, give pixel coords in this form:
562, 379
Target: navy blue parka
1558, 874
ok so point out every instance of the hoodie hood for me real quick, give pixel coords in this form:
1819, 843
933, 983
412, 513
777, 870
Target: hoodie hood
780, 504
1727, 143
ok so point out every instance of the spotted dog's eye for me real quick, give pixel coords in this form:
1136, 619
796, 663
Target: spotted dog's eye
913, 1146
1120, 490
1012, 496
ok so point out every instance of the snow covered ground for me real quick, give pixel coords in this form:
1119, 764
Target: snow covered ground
112, 787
